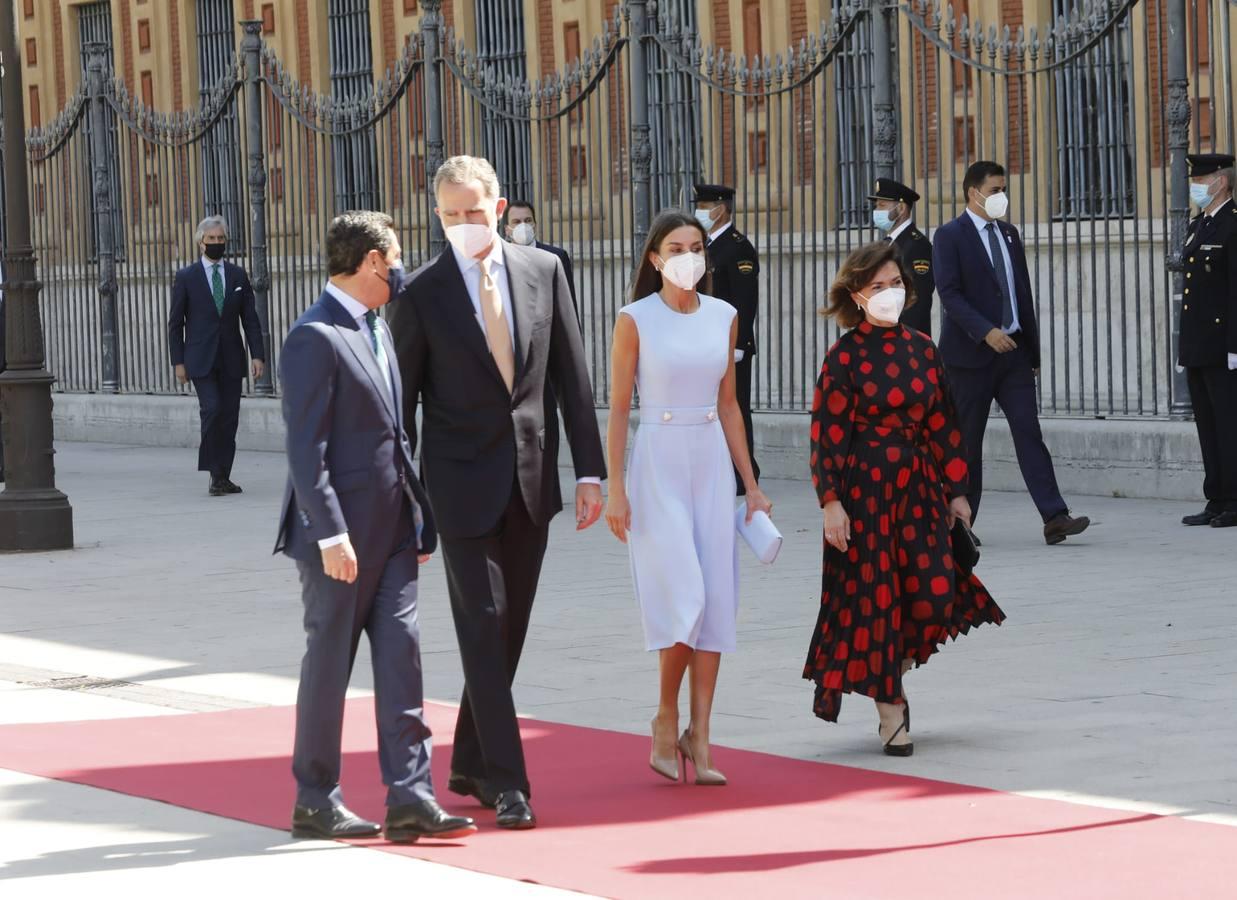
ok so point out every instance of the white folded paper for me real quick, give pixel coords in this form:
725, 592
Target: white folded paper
760, 534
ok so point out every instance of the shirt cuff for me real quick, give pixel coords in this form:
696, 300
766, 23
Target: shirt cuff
332, 541
738, 355
1232, 361
589, 479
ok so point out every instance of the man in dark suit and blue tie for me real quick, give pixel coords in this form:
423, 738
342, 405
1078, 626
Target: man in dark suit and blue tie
358, 524
990, 341
211, 301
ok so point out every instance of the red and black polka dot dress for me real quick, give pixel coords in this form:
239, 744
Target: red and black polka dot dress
886, 442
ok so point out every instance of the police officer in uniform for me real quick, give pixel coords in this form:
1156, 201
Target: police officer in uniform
736, 270
1207, 346
893, 207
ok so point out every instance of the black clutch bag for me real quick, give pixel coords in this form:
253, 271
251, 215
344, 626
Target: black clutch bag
965, 552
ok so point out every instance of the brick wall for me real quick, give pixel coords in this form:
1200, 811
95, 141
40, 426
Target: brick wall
1016, 98
126, 43
58, 55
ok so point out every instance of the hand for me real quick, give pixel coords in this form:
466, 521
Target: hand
837, 525
618, 514
257, 367
999, 341
423, 558
588, 505
339, 561
181, 375
757, 502
959, 508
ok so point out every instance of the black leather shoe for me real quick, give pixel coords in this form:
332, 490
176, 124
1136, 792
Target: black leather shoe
514, 811
1061, 526
331, 823
1202, 518
216, 487
231, 487
468, 786
1224, 520
409, 823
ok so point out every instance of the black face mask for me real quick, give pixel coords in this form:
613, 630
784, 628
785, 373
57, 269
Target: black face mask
215, 250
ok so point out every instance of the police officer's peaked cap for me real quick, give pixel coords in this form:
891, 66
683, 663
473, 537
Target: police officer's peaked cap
1207, 163
709, 193
888, 189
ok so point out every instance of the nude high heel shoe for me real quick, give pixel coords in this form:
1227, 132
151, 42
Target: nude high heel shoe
704, 776
666, 768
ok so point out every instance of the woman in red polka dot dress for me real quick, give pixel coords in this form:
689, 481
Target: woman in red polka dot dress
890, 471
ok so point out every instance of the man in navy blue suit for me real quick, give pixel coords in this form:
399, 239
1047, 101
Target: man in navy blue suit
211, 301
990, 341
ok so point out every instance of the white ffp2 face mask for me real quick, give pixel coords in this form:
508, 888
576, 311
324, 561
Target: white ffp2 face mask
886, 305
996, 205
470, 239
525, 233
684, 270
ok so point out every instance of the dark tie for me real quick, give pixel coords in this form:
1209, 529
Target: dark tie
216, 288
380, 351
1002, 276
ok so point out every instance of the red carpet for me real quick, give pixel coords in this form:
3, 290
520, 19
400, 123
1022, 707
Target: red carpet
784, 828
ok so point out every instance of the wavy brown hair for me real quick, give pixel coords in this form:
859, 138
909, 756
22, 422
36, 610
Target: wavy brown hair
856, 274
648, 279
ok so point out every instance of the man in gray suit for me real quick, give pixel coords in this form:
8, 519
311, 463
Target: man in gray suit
358, 524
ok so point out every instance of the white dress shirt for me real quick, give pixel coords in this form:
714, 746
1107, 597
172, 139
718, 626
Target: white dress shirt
470, 269
893, 234
357, 310
981, 226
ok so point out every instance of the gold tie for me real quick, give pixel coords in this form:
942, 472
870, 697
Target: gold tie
496, 325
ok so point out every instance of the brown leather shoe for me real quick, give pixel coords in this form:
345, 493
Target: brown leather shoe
1062, 525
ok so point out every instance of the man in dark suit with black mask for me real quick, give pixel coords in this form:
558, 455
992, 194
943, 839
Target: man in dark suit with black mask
489, 345
358, 525
990, 341
211, 301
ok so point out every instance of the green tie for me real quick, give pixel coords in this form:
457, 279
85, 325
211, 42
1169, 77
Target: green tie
380, 351
216, 288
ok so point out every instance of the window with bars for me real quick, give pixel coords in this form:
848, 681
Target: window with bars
94, 25
355, 156
221, 157
502, 51
674, 118
1095, 128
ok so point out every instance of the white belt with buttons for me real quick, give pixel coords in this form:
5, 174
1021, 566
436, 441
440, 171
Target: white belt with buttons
678, 415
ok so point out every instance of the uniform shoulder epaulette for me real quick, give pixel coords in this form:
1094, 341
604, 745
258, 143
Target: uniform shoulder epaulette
737, 236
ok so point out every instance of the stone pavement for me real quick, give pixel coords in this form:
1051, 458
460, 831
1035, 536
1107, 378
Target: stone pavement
1113, 681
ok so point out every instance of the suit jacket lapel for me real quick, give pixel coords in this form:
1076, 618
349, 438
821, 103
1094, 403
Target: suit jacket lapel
396, 384
523, 287
980, 245
359, 343
458, 309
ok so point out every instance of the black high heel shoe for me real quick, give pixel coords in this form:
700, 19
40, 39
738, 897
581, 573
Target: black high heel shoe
899, 749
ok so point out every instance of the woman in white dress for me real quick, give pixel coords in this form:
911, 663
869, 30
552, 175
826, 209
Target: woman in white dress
676, 513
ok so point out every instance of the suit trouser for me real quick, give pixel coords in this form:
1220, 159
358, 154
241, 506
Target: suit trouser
1009, 381
492, 580
1213, 394
743, 393
219, 404
382, 602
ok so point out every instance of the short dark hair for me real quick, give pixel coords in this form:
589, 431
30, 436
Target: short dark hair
978, 173
648, 279
511, 204
353, 234
856, 273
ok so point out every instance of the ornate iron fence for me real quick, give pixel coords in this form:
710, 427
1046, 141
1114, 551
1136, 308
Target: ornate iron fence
1091, 112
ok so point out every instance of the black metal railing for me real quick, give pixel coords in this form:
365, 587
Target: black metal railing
1090, 112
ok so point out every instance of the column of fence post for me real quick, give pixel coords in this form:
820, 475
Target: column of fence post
431, 32
1178, 116
259, 261
641, 147
101, 183
884, 127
